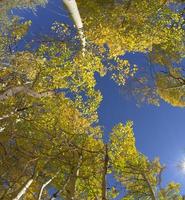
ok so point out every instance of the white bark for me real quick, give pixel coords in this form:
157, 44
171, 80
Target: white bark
45, 184
23, 191
73, 9
18, 89
6, 116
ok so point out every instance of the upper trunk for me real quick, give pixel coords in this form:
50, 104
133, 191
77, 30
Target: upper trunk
73, 9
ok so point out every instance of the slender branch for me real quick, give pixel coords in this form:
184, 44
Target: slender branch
45, 184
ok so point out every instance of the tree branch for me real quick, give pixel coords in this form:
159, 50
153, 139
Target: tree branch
45, 184
22, 89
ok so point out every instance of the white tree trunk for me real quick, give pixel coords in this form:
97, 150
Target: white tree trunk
73, 9
23, 191
6, 116
18, 89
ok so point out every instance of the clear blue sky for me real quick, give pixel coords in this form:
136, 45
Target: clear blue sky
159, 131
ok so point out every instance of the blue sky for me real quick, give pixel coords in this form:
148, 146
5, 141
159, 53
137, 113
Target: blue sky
159, 131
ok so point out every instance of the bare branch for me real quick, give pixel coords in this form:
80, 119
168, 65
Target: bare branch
45, 184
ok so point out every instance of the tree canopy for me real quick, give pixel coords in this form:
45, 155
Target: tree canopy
51, 141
